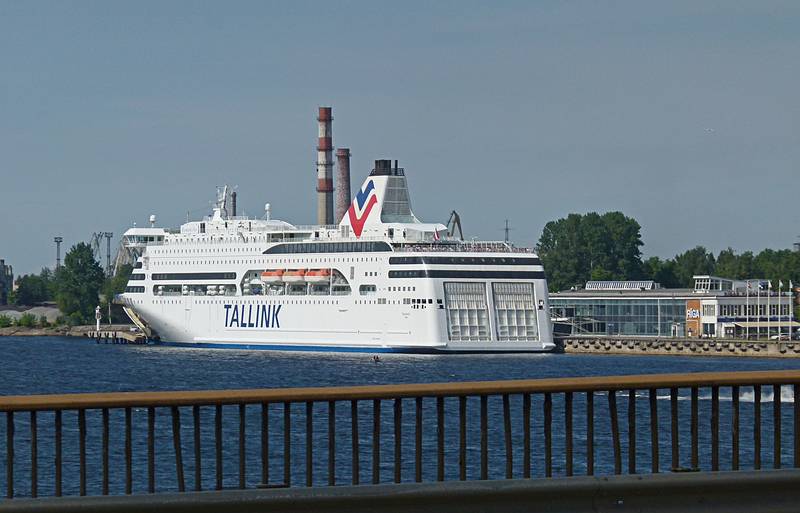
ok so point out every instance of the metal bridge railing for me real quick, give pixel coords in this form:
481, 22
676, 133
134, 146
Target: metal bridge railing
121, 443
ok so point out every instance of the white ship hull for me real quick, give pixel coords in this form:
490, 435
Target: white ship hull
417, 320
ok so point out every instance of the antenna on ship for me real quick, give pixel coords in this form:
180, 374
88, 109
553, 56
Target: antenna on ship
507, 229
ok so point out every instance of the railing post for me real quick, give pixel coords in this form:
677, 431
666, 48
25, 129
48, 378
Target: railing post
695, 429
105, 450
331, 443
675, 438
796, 402
82, 449
177, 447
198, 457
218, 445
287, 443
242, 446
757, 427
632, 431
34, 457
462, 438
354, 439
507, 437
590, 433
526, 430
484, 438
568, 432
398, 439
776, 425
376, 441
715, 428
57, 432
735, 428
10, 454
612, 410
654, 429
309, 443
418, 441
440, 438
128, 450
548, 434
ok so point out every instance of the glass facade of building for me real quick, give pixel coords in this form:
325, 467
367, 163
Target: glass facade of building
623, 316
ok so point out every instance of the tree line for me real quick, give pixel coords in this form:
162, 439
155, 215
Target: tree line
77, 287
593, 246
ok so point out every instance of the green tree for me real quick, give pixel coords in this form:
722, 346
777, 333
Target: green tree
661, 271
693, 262
79, 282
591, 246
34, 289
6, 321
560, 249
733, 266
781, 265
625, 242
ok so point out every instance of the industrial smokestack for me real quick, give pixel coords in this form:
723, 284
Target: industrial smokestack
343, 181
233, 204
324, 165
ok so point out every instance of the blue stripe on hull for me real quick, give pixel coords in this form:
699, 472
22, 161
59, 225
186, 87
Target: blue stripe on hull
339, 349
307, 348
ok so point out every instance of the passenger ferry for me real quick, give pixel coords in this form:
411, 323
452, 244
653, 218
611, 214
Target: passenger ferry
380, 281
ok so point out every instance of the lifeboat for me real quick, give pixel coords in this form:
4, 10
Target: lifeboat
273, 276
318, 276
295, 276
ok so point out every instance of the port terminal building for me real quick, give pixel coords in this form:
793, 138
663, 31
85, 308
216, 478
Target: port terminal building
715, 308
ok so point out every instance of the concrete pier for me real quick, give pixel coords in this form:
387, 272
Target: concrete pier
117, 337
679, 346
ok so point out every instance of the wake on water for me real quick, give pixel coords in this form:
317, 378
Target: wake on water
746, 395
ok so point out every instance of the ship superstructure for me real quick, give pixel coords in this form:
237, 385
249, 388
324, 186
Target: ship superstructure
380, 280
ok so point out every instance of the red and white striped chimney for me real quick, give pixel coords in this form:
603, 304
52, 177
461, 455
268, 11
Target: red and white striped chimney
324, 167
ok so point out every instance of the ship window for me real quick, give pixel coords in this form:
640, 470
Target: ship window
367, 290
436, 260
194, 276
329, 247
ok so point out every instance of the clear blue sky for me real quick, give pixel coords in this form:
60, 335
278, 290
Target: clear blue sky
684, 115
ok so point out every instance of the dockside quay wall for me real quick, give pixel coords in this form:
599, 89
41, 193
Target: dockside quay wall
679, 346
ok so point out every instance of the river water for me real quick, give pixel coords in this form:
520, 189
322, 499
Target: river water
65, 365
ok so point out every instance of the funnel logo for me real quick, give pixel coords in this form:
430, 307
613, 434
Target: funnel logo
365, 200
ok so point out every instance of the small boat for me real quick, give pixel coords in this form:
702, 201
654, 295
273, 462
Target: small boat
295, 276
318, 276
273, 276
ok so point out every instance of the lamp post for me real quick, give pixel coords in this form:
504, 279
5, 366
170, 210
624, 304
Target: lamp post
58, 241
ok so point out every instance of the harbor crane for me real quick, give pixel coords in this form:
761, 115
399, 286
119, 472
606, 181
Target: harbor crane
453, 223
